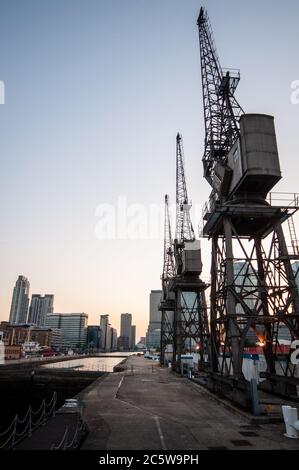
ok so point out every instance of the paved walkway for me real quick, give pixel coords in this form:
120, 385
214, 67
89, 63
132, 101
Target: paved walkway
51, 434
152, 408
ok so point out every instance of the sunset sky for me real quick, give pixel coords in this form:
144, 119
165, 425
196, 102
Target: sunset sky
95, 92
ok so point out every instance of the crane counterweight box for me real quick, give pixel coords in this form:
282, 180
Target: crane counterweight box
254, 159
192, 263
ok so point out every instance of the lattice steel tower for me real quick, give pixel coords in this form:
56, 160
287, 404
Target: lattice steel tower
253, 288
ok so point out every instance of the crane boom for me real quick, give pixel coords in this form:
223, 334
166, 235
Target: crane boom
184, 228
221, 109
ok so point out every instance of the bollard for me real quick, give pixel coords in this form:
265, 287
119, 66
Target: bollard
255, 406
290, 416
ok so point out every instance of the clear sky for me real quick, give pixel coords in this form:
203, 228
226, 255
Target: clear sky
96, 91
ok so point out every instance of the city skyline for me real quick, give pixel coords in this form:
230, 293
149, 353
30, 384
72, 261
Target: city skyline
91, 113
33, 309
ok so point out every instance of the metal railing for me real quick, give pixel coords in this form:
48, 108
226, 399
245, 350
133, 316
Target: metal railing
21, 428
282, 199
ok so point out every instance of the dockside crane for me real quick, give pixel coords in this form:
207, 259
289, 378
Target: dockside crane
253, 285
184, 229
167, 302
190, 311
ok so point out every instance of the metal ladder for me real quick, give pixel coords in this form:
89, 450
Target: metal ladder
293, 236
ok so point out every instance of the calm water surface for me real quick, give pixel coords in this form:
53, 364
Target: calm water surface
103, 363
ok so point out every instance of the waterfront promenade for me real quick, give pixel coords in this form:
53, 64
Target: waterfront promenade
146, 407
149, 407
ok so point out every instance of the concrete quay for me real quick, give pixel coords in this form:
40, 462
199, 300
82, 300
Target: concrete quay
146, 407
150, 408
34, 362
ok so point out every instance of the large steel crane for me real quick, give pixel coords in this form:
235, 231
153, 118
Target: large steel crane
190, 312
167, 302
253, 290
184, 229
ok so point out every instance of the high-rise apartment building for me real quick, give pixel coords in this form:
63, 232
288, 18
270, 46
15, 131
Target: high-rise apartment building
113, 339
105, 333
39, 308
125, 330
246, 280
73, 327
123, 343
125, 324
154, 313
153, 334
133, 337
93, 337
20, 301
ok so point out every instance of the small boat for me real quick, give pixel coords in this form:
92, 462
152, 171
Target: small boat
31, 348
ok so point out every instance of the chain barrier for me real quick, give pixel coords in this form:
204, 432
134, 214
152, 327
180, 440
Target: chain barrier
74, 442
20, 428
